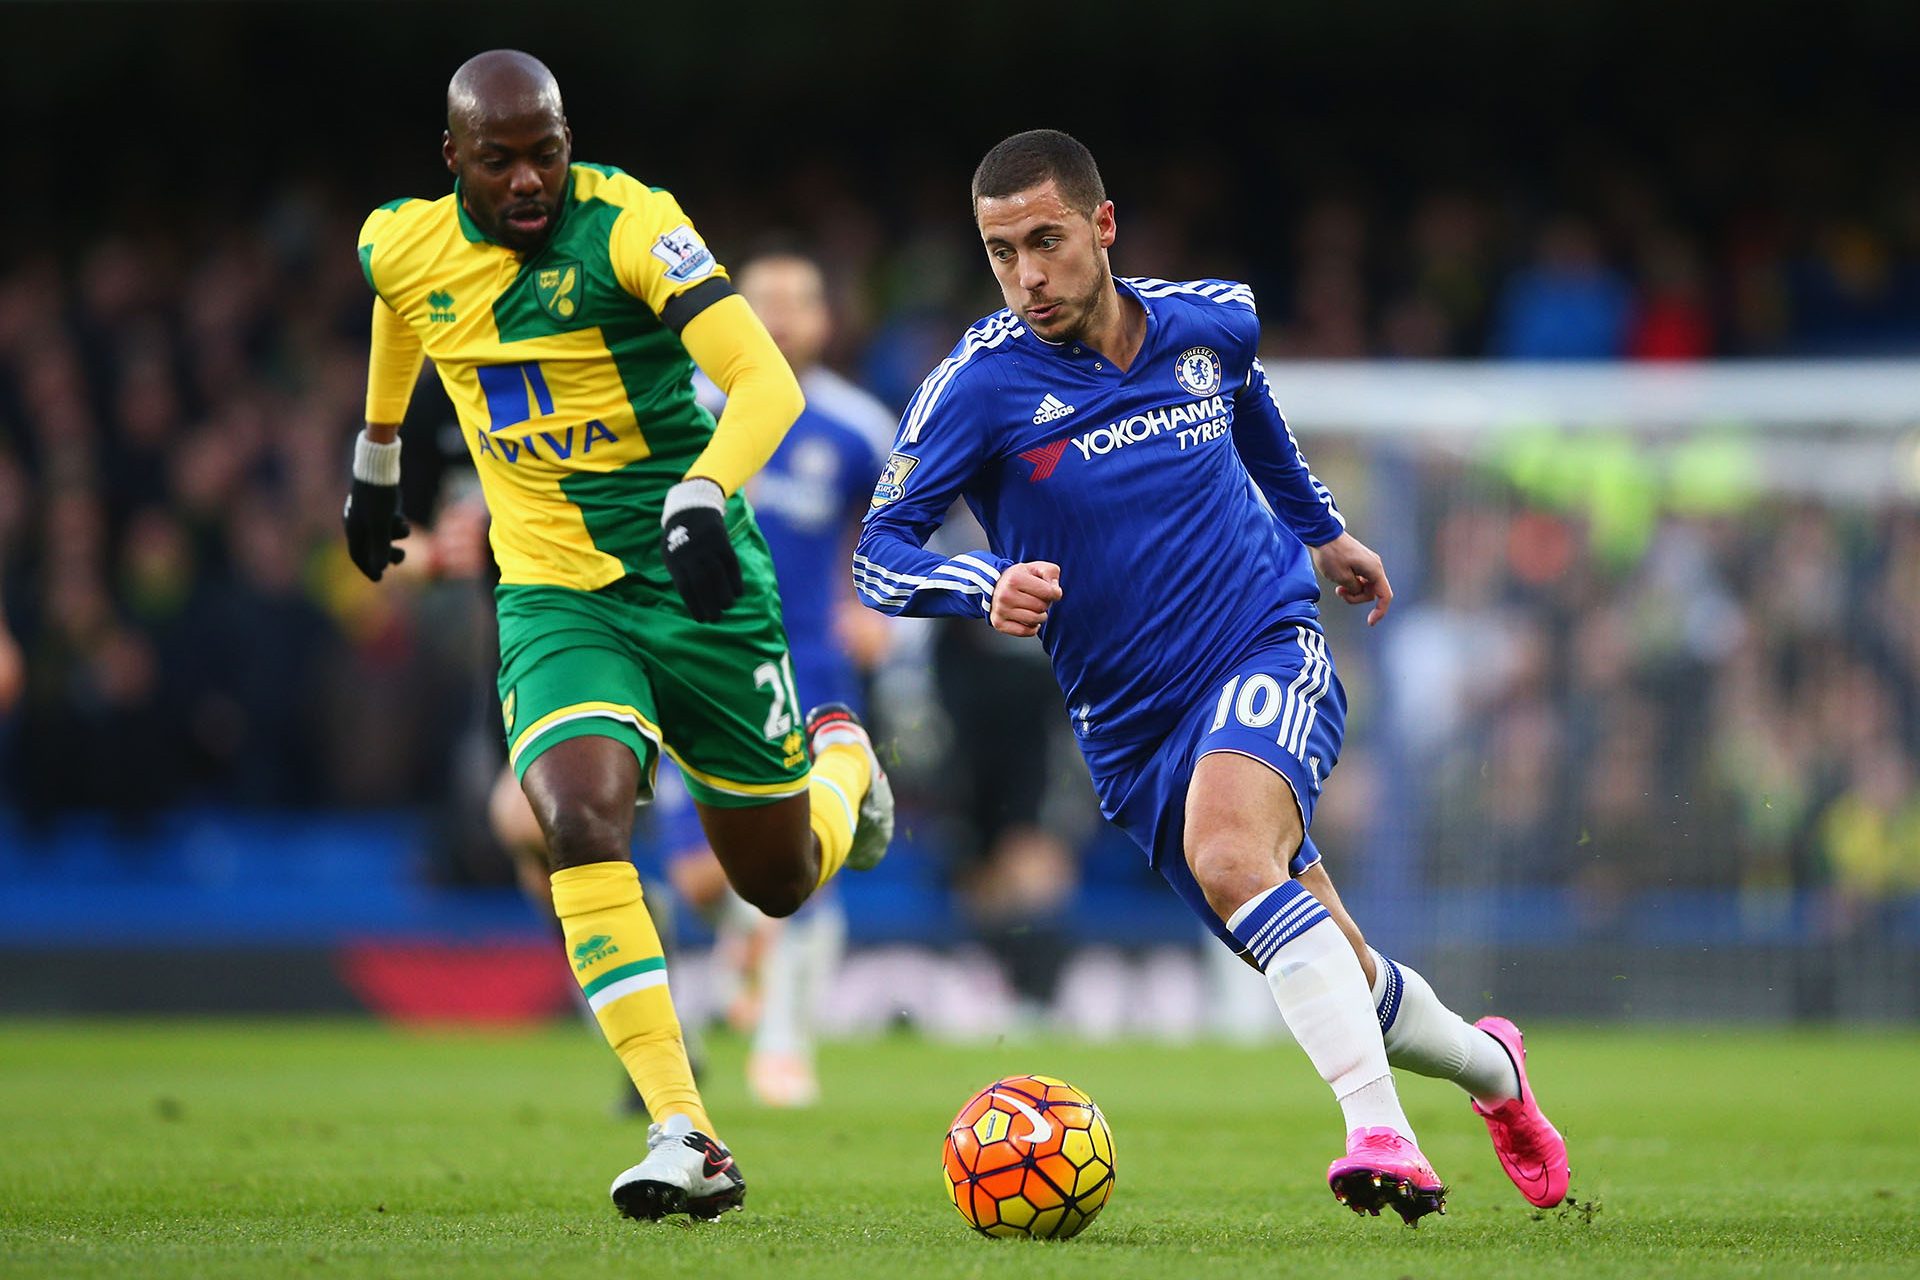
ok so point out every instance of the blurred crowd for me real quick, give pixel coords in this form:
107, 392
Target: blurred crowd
1735, 705
172, 420
1618, 264
1738, 706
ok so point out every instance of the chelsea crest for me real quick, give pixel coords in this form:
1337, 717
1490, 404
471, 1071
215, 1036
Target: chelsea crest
1198, 371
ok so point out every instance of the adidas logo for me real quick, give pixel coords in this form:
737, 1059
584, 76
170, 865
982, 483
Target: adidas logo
1051, 410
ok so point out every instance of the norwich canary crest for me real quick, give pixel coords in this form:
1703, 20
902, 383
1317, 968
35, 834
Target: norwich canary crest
558, 288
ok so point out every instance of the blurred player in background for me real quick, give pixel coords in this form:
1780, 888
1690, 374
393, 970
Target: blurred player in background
565, 307
13, 671
1014, 866
808, 500
12, 664
1153, 521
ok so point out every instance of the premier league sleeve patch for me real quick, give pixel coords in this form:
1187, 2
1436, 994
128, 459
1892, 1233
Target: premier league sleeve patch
686, 257
893, 479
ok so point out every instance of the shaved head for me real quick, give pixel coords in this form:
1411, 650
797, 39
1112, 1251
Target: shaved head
508, 143
500, 84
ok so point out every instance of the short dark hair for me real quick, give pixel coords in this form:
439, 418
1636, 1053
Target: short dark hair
1028, 159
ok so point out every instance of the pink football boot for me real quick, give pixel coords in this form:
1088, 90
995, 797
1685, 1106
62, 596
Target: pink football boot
1531, 1150
1384, 1170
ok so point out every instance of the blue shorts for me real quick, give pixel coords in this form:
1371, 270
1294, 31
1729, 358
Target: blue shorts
674, 822
1282, 705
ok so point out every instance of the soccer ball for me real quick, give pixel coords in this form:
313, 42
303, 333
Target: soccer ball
1029, 1156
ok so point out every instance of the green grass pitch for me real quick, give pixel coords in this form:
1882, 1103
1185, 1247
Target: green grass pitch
336, 1149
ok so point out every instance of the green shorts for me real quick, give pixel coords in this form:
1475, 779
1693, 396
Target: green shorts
627, 662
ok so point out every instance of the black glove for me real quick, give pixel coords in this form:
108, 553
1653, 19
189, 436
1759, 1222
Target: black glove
372, 517
698, 552
374, 523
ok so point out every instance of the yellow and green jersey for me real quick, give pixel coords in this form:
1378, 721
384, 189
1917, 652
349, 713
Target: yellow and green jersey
566, 369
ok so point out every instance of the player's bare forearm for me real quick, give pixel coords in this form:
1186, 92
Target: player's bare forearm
1356, 572
383, 432
1022, 596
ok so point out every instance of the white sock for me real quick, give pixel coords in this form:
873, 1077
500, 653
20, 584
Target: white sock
1322, 992
795, 973
1427, 1038
780, 1027
1374, 1104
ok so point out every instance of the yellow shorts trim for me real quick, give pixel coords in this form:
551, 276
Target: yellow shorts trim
583, 710
769, 790
651, 732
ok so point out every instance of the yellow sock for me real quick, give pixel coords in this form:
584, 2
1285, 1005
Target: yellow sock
839, 783
616, 957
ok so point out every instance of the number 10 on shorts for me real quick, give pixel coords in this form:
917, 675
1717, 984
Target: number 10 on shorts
1257, 700
1257, 706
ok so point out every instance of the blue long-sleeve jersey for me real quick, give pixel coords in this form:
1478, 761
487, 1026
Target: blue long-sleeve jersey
1172, 495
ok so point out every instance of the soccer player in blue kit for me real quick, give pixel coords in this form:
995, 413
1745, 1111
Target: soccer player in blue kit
1153, 521
807, 499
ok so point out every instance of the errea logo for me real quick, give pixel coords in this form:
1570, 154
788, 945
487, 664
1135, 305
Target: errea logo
594, 950
440, 307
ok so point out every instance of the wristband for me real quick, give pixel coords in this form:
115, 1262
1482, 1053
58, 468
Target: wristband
698, 492
376, 463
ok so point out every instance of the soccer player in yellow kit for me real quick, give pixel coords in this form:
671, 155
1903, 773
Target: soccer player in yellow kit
565, 306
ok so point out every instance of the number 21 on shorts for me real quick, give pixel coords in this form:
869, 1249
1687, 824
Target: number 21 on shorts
777, 678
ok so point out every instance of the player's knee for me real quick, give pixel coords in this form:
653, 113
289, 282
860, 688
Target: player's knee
578, 834
1230, 867
776, 894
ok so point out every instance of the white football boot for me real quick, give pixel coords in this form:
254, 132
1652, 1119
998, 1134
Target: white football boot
685, 1172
